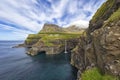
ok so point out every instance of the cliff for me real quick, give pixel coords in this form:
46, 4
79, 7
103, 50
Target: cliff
100, 46
51, 40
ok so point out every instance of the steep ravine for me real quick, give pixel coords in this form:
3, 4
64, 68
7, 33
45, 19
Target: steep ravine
100, 45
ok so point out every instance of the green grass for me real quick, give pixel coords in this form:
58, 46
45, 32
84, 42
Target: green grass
34, 36
94, 74
29, 41
115, 16
102, 10
52, 37
60, 32
48, 37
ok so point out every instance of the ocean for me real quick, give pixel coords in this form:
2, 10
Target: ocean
15, 64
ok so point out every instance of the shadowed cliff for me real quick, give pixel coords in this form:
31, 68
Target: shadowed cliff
100, 46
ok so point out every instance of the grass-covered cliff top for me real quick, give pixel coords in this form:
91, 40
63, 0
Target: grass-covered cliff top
48, 37
52, 32
94, 74
102, 10
115, 16
58, 36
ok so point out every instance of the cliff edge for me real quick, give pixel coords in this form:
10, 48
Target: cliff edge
100, 45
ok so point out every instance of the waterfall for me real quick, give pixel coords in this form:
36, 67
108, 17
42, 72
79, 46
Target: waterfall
65, 47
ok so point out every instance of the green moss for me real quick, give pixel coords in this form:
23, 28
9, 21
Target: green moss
108, 77
102, 10
94, 74
115, 16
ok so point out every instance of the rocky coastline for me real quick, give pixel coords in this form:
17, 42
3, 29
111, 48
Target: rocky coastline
96, 47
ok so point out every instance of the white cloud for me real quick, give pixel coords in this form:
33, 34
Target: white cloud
28, 16
79, 23
14, 33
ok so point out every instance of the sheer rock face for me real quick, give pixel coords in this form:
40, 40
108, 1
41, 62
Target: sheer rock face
106, 43
100, 46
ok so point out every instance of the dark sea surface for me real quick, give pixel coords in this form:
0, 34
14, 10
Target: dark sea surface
16, 65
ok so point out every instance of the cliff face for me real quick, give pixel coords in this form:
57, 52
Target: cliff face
100, 47
51, 39
56, 47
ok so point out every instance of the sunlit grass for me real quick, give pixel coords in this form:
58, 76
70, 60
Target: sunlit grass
94, 74
62, 36
48, 37
103, 9
115, 16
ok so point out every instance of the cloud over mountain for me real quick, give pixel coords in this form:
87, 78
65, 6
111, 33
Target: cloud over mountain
21, 17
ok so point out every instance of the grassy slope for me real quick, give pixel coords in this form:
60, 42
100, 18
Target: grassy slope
115, 16
102, 10
51, 36
94, 74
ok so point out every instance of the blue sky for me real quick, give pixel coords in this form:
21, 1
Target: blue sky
18, 18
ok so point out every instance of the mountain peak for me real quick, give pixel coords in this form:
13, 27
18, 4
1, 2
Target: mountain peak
51, 28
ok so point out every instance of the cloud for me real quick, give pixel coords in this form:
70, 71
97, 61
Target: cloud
79, 23
22, 17
12, 33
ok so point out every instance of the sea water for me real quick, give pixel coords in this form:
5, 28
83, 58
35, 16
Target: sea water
15, 64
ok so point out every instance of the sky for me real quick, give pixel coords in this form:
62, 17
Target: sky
18, 18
